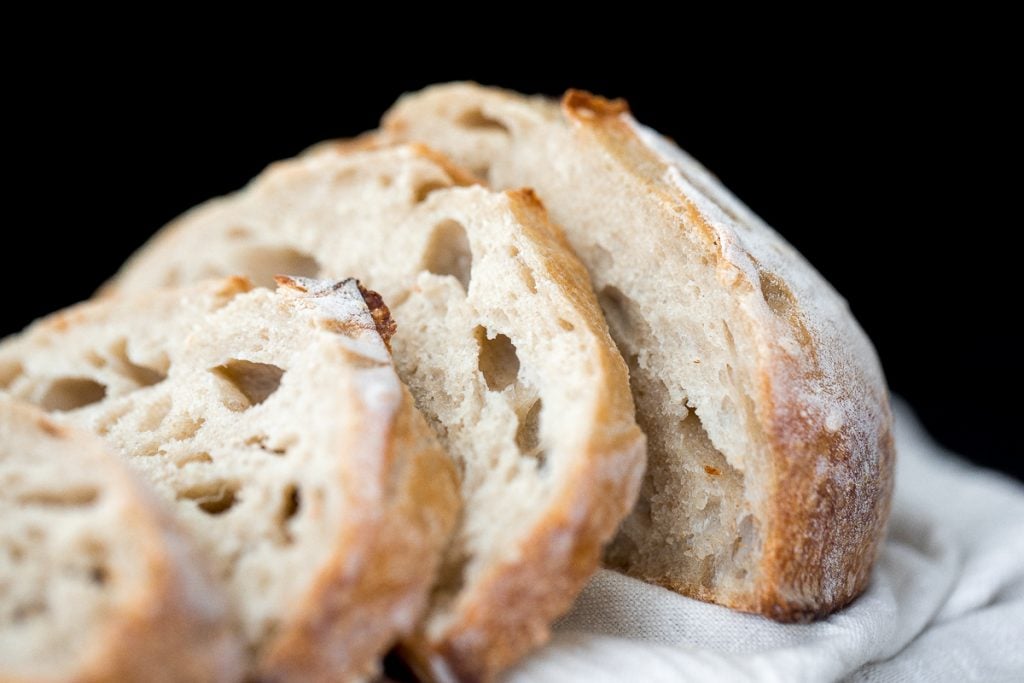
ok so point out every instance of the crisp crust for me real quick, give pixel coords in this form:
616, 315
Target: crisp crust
514, 605
824, 533
386, 325
376, 585
372, 140
176, 623
566, 542
379, 311
822, 423
378, 582
399, 484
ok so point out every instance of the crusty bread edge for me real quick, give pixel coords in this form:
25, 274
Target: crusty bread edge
788, 589
375, 586
518, 601
362, 607
164, 239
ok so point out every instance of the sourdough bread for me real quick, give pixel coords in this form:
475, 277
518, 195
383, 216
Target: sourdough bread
503, 346
274, 424
766, 410
89, 562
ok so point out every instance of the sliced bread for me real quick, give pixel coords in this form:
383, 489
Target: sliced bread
275, 426
503, 346
89, 562
771, 451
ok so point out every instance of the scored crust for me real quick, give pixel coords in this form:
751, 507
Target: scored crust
798, 419
276, 426
502, 344
142, 582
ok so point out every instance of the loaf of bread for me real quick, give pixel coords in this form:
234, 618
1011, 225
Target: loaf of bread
503, 345
274, 426
766, 411
96, 583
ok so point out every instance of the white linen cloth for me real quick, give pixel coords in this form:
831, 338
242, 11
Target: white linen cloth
945, 603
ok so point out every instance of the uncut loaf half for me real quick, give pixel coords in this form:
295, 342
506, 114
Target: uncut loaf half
770, 446
503, 345
275, 427
96, 582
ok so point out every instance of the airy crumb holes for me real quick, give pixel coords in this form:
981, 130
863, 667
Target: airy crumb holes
71, 393
423, 189
476, 119
497, 360
247, 384
262, 263
448, 253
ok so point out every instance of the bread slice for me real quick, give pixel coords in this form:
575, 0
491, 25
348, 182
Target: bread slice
276, 427
771, 452
89, 562
503, 346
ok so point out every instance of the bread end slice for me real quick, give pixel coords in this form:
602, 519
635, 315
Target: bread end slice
770, 466
98, 584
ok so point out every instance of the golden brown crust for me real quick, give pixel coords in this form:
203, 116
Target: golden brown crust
526, 596
360, 143
372, 140
819, 426
460, 176
518, 601
386, 325
614, 445
824, 533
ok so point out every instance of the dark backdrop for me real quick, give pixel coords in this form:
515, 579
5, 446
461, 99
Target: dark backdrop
887, 178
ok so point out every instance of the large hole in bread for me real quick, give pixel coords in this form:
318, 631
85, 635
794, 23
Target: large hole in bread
71, 393
9, 371
497, 360
475, 118
262, 263
99, 574
213, 497
690, 524
79, 496
448, 253
528, 433
247, 384
423, 188
291, 502
142, 375
615, 305
200, 458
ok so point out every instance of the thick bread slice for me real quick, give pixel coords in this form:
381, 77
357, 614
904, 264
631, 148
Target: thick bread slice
96, 584
275, 424
501, 342
771, 452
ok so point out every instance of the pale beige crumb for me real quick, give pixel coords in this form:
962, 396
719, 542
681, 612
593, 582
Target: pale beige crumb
275, 426
96, 583
769, 428
502, 343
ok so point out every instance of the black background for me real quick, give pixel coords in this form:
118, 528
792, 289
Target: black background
889, 178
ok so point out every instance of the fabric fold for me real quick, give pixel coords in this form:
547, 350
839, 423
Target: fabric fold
946, 601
